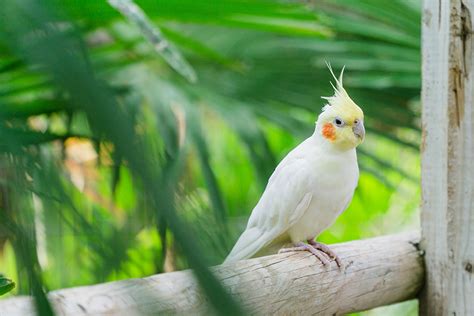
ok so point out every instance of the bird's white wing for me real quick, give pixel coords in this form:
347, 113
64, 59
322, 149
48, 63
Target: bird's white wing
285, 199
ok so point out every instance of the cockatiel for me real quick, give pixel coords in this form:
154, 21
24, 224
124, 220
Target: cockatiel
310, 187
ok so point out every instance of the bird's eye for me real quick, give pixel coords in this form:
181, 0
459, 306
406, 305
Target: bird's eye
356, 121
338, 122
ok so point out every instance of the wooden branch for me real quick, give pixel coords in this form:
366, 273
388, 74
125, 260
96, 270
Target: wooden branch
448, 157
377, 272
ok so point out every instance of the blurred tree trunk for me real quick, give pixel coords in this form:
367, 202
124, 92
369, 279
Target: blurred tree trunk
4, 203
170, 258
8, 222
17, 223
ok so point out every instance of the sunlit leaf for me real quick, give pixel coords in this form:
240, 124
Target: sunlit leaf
6, 285
161, 45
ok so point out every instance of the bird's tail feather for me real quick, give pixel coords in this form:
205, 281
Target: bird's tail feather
250, 242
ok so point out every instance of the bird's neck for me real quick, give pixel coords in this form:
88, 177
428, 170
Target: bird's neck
328, 145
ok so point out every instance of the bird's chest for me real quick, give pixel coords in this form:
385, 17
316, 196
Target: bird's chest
332, 190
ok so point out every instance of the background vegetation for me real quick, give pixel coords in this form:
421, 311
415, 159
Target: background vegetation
135, 138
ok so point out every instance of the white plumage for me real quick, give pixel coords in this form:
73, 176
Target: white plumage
310, 187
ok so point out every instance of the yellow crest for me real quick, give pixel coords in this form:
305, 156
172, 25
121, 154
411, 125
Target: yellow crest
340, 101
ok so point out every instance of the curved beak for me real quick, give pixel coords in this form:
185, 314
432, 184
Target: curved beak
359, 129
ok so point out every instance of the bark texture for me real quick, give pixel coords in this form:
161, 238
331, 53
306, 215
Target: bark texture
448, 158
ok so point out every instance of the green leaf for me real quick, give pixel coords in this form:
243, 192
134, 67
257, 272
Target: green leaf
6, 285
153, 34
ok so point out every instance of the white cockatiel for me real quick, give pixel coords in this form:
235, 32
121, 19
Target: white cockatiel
310, 187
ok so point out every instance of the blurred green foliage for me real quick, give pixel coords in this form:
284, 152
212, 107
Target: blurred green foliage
136, 138
6, 285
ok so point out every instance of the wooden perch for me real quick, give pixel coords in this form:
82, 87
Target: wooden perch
378, 271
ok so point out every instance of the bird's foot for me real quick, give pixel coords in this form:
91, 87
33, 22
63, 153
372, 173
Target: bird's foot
326, 250
310, 248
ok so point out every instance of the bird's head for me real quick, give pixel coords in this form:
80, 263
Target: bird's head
342, 121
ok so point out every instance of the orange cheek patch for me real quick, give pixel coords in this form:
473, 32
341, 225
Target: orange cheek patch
329, 132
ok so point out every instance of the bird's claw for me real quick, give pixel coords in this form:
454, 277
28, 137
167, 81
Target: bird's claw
310, 248
326, 250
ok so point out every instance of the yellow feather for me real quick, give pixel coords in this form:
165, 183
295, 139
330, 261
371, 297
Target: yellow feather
341, 102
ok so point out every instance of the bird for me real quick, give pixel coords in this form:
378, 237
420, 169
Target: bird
310, 187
